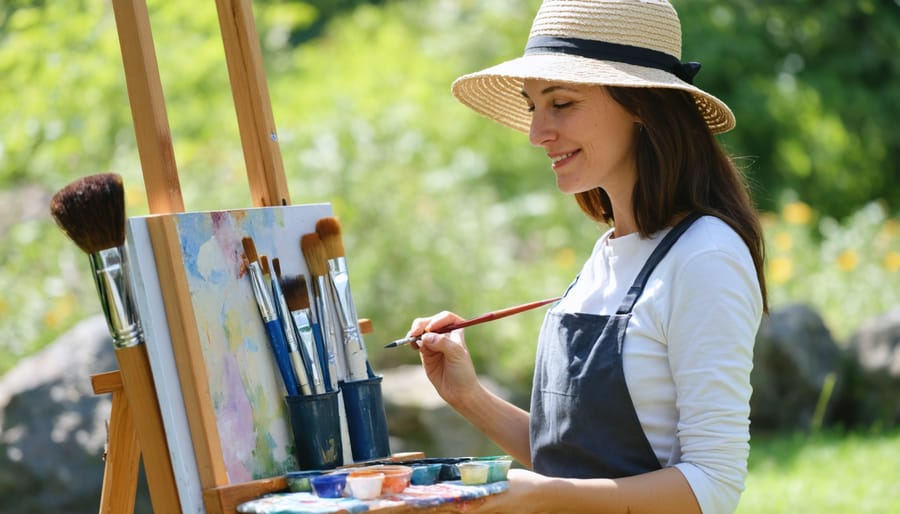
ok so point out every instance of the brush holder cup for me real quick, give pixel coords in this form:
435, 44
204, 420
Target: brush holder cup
366, 420
316, 425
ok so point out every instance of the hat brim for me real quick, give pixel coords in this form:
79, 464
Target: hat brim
496, 92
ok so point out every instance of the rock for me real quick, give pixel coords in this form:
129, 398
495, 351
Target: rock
419, 420
53, 428
794, 354
874, 371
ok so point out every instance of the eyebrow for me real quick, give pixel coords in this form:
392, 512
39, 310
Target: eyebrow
548, 89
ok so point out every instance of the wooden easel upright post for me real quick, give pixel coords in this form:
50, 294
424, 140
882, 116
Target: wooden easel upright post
136, 428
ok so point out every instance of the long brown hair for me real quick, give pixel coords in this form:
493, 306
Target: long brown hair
681, 168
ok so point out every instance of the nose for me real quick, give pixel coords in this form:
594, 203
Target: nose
542, 130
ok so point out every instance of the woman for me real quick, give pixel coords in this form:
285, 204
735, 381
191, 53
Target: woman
642, 381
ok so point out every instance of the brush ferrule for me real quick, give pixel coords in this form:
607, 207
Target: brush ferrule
111, 278
337, 265
405, 340
261, 292
303, 324
326, 325
354, 347
340, 281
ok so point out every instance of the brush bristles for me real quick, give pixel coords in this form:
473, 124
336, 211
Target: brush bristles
276, 267
264, 264
295, 292
249, 249
329, 230
314, 253
91, 211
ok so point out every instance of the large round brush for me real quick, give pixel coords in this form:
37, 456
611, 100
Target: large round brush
91, 211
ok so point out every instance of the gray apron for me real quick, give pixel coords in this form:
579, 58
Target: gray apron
583, 422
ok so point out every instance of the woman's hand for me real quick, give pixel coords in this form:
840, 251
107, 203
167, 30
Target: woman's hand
521, 497
445, 358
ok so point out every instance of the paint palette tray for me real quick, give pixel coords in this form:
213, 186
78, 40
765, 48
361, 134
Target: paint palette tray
450, 495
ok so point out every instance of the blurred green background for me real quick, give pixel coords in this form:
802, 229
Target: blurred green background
443, 209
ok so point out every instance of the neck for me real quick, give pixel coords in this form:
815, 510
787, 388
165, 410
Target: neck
622, 209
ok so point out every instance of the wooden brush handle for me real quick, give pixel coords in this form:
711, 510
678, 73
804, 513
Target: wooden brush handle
138, 381
491, 316
484, 318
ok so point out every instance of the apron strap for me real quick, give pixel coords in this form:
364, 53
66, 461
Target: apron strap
658, 253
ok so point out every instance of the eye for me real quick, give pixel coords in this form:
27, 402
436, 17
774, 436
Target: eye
530, 107
562, 105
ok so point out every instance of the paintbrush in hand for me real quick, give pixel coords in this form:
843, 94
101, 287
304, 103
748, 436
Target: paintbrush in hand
91, 211
329, 231
484, 318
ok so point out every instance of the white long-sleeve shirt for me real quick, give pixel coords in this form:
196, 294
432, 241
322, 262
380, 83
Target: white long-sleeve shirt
688, 348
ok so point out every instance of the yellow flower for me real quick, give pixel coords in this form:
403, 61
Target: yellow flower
797, 213
892, 261
848, 260
783, 241
781, 269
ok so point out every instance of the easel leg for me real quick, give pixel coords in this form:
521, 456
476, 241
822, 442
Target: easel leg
123, 453
138, 387
123, 458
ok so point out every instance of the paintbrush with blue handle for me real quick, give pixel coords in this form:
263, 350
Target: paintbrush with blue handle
266, 304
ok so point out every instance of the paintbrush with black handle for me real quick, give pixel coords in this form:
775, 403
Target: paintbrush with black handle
91, 211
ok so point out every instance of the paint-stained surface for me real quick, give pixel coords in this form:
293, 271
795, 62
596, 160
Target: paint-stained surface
413, 497
245, 388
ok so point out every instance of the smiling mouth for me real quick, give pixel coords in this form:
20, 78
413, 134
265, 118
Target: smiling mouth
561, 160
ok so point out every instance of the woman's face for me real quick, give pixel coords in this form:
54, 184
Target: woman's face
588, 136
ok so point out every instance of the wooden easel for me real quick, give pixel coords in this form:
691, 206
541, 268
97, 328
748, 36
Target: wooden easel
136, 427
136, 430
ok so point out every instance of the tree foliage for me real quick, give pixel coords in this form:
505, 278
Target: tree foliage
812, 86
442, 208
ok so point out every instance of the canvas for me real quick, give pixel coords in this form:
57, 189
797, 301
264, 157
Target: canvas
241, 390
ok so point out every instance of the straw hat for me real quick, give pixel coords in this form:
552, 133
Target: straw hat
633, 43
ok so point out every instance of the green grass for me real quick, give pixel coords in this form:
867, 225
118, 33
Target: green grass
826, 473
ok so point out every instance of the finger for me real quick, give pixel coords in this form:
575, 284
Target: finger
417, 326
441, 320
432, 342
432, 323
